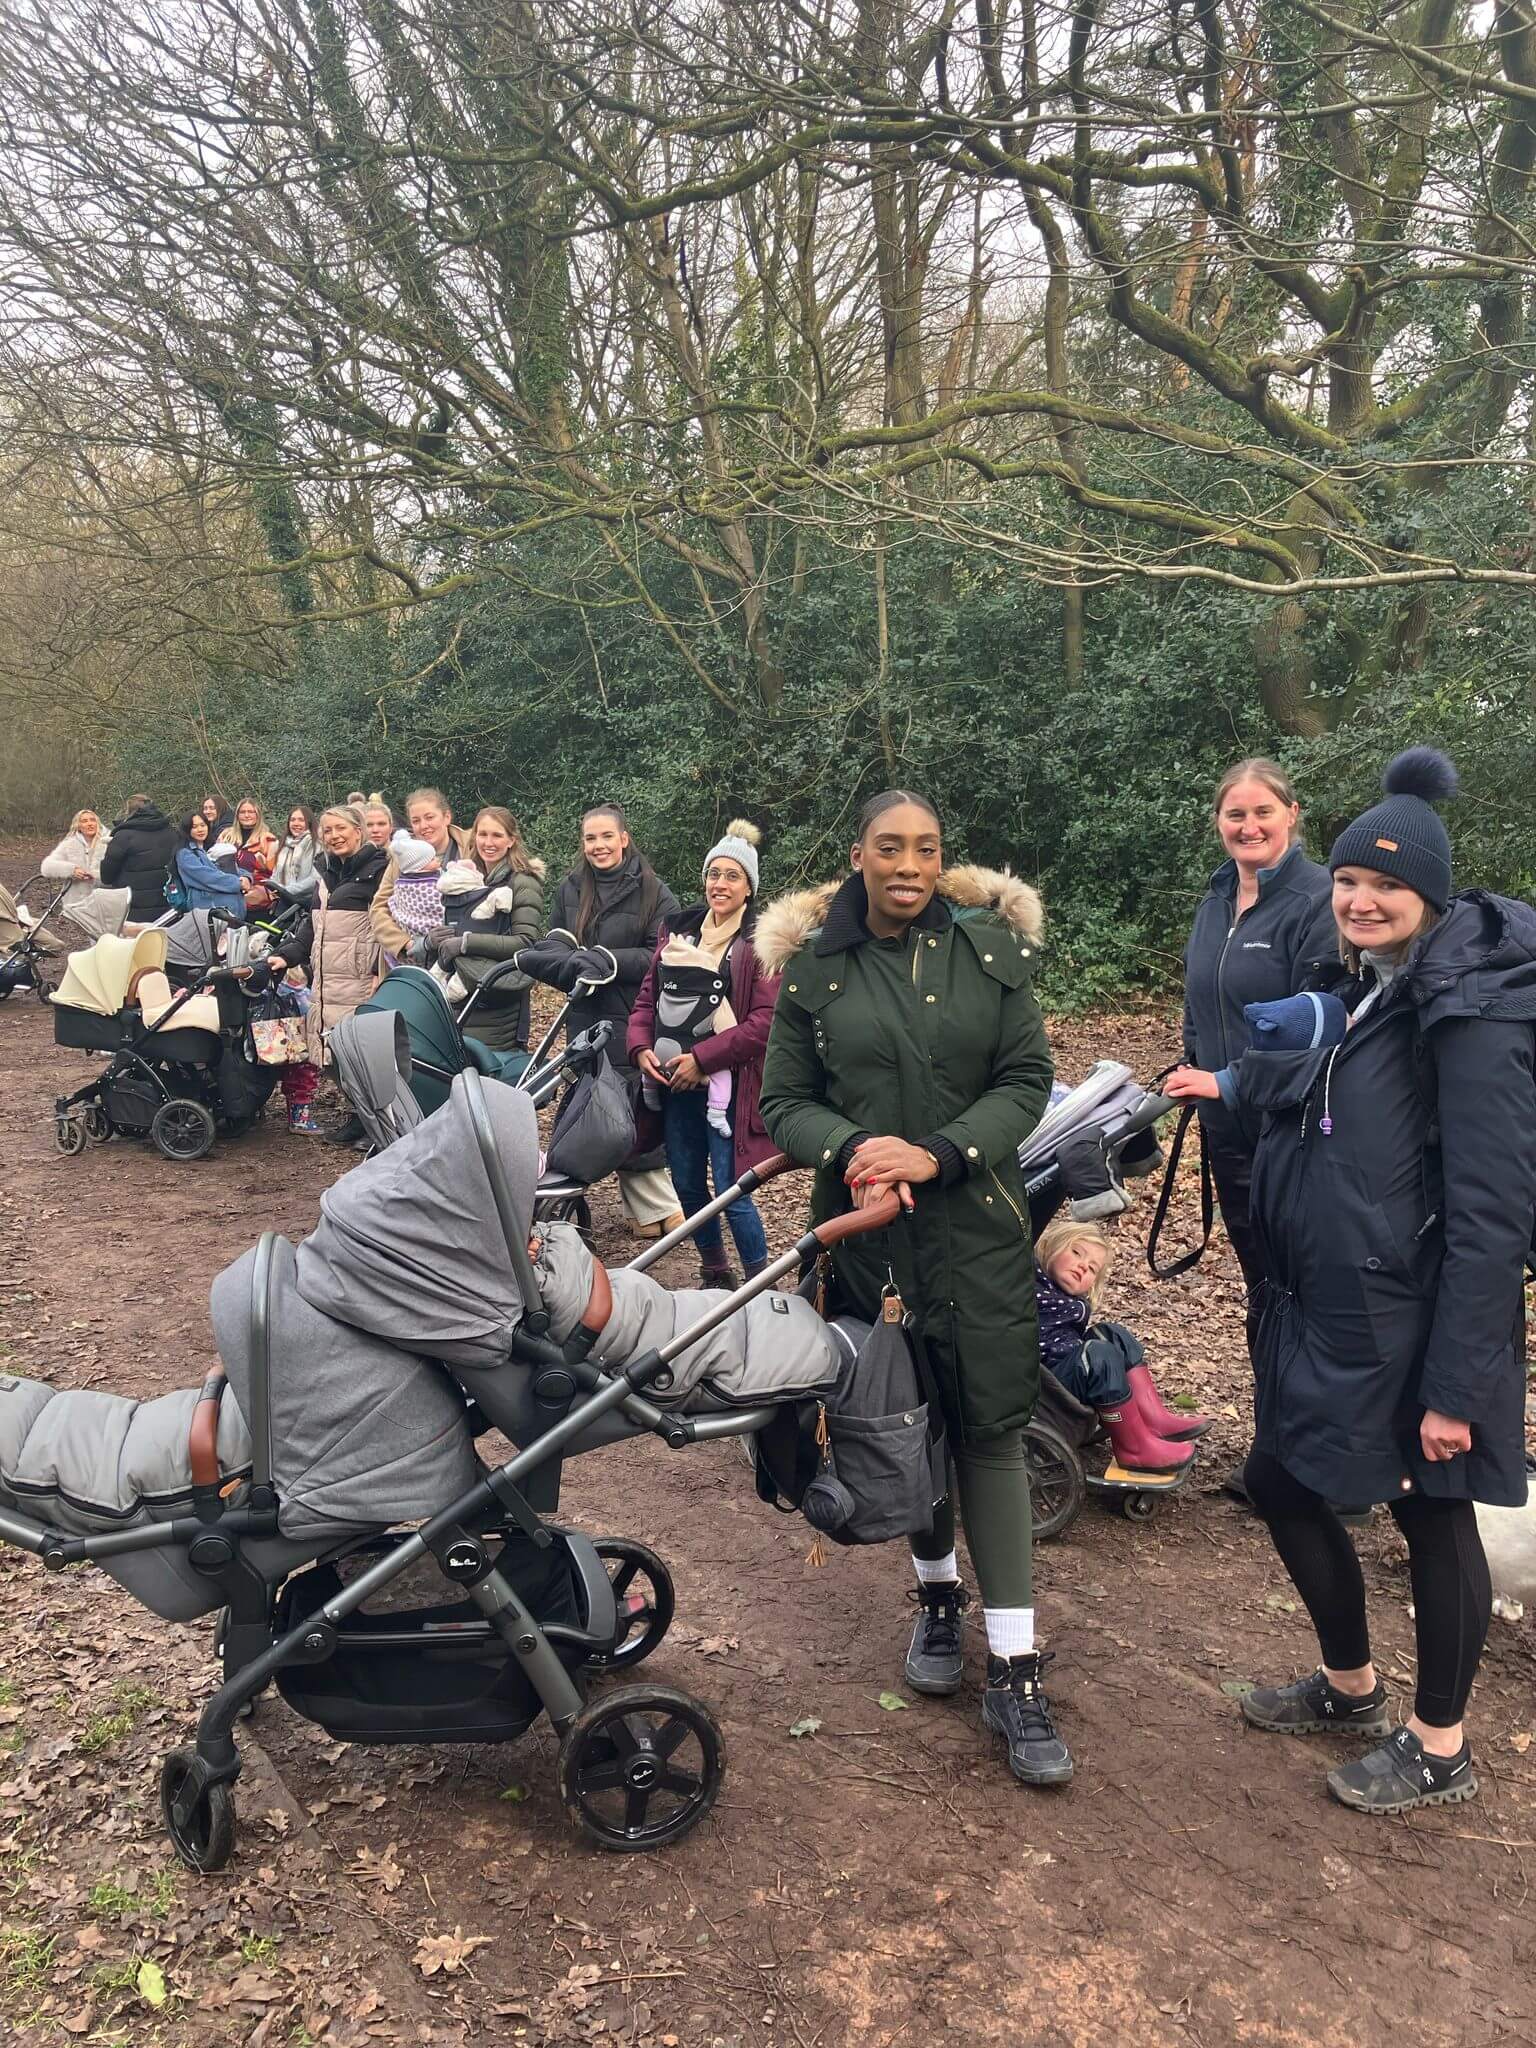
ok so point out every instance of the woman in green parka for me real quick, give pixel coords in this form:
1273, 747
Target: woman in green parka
908, 1052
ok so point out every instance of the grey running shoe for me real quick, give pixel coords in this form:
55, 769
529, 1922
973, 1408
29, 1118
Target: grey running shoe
935, 1661
1014, 1706
1312, 1706
1402, 1774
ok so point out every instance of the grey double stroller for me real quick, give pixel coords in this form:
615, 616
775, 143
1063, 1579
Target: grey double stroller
360, 1370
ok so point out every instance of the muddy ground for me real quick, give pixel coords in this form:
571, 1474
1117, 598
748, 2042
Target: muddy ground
878, 1880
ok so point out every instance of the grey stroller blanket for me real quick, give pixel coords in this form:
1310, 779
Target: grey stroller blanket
775, 1349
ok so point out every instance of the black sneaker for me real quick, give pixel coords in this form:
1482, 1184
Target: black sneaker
935, 1661
1014, 1706
1401, 1774
347, 1133
1313, 1706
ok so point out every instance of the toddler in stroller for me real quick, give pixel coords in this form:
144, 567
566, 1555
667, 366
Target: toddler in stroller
361, 1367
1102, 1364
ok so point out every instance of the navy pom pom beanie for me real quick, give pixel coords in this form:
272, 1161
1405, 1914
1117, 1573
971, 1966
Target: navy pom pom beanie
1403, 837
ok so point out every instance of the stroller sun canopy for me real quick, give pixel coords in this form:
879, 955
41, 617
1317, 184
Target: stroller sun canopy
371, 1052
98, 977
412, 994
410, 1247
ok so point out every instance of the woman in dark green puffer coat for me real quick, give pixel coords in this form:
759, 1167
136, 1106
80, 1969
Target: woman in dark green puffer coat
908, 1051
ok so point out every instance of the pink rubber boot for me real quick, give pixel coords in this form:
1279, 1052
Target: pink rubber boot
1162, 1420
1136, 1445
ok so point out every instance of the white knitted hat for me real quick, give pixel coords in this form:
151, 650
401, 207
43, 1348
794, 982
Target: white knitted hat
740, 844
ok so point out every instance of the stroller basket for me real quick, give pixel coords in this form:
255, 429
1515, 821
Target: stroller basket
438, 1671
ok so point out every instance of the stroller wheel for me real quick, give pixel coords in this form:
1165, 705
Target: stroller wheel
1057, 1485
45, 979
642, 1587
97, 1129
69, 1135
1138, 1507
204, 1838
640, 1767
182, 1129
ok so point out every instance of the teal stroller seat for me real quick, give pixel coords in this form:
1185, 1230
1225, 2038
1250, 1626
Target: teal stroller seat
439, 1049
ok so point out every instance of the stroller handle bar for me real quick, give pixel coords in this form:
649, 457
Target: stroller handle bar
750, 1182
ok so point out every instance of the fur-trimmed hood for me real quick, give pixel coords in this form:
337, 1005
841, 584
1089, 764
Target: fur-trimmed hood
785, 925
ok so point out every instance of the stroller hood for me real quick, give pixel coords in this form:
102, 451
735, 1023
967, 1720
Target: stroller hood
362, 1433
412, 994
409, 1246
371, 1052
97, 978
191, 941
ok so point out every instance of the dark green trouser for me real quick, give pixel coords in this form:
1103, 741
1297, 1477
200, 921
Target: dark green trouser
990, 1483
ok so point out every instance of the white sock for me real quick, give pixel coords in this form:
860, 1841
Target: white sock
936, 1571
1010, 1630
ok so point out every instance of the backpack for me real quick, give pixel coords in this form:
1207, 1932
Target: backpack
176, 892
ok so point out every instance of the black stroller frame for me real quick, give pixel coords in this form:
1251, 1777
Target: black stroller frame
35, 959
166, 1060
639, 1766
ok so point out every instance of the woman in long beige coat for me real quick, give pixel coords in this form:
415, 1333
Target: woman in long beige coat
344, 958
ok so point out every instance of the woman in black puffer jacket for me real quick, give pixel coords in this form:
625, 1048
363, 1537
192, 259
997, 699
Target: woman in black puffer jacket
1394, 1191
613, 898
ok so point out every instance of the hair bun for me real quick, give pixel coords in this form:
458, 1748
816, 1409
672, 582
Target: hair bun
1422, 772
743, 828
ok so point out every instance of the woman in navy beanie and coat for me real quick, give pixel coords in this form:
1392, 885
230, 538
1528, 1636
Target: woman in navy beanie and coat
1394, 1191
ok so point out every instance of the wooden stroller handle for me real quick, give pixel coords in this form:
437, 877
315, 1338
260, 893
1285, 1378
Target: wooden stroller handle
855, 1222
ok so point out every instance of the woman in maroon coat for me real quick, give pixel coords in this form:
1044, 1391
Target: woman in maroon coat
698, 1032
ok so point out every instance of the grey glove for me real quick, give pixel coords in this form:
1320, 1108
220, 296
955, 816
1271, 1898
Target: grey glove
451, 946
418, 953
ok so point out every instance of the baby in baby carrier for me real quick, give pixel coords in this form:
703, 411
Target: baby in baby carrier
1099, 1363
691, 1002
416, 900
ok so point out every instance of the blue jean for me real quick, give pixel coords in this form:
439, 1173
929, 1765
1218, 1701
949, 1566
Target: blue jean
694, 1153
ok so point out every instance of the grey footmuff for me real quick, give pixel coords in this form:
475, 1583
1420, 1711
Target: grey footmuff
87, 1461
775, 1349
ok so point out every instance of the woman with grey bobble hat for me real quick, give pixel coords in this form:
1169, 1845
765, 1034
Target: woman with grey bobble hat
1395, 1188
698, 1033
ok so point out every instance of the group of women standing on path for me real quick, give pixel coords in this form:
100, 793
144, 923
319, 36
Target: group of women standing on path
884, 1031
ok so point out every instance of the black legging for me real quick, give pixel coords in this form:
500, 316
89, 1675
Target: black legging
1232, 1174
1452, 1592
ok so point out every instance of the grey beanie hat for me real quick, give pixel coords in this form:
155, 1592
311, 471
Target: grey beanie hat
1403, 837
739, 844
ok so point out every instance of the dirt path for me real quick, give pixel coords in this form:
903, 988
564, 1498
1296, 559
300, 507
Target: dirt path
878, 1880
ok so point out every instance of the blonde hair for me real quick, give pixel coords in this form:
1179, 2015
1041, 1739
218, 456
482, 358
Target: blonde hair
517, 852
348, 813
87, 811
1065, 1232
